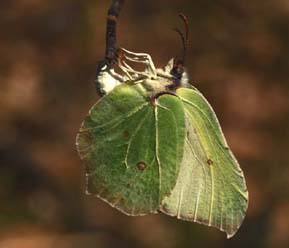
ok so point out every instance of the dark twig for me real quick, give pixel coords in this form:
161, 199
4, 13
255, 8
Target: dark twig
111, 53
112, 18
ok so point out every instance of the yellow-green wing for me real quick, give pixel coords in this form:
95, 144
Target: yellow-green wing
211, 187
132, 149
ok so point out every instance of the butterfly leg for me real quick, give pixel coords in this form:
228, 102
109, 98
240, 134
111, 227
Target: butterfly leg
143, 58
131, 73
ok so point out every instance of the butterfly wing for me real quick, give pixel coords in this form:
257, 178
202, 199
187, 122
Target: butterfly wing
132, 149
210, 188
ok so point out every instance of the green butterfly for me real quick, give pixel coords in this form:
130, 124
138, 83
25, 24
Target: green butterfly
153, 143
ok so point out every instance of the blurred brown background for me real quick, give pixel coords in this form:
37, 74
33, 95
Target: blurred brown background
238, 58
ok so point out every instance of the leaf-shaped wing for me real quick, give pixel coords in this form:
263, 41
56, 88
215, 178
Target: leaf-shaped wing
210, 188
132, 149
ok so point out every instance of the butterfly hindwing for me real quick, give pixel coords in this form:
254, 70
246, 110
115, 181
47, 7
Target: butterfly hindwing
210, 188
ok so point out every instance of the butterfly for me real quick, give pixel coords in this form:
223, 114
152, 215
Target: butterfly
153, 143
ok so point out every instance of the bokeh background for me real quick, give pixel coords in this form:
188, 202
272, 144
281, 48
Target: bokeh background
238, 57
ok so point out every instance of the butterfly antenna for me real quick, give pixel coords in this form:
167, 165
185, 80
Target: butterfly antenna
183, 39
184, 36
178, 66
111, 26
185, 20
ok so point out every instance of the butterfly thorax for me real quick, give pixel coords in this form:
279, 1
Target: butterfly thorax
154, 80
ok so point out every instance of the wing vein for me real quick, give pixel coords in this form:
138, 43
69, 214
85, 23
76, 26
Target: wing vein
118, 120
132, 137
157, 151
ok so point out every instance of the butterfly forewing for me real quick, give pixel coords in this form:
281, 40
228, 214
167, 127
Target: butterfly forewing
129, 146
